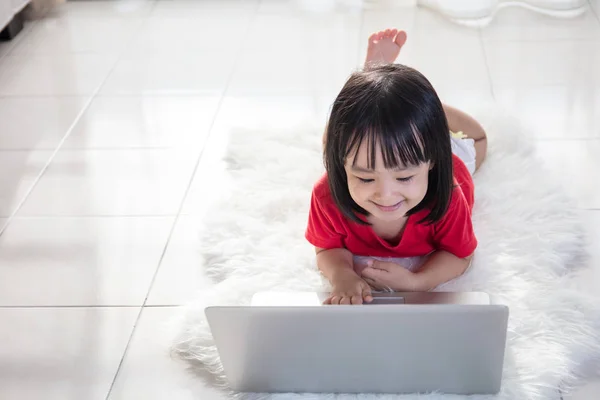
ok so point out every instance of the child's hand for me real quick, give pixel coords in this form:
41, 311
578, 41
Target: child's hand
383, 275
349, 288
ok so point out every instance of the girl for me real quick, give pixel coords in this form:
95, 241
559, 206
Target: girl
397, 185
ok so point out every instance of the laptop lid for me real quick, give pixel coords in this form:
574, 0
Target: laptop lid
408, 348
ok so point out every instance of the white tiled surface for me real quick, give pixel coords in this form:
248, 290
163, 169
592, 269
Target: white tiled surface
53, 75
62, 353
107, 106
149, 373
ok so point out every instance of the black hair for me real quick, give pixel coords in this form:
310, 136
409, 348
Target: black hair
396, 107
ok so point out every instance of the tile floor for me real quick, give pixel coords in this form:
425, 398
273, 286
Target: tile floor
112, 117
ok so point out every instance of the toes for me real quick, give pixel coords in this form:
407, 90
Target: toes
387, 33
373, 37
380, 35
400, 38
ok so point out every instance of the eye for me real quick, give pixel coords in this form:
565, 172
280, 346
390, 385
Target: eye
408, 179
365, 180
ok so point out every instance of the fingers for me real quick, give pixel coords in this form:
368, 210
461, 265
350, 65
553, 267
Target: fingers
349, 299
374, 284
371, 273
339, 299
366, 295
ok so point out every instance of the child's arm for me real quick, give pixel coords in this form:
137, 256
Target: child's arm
333, 262
439, 268
338, 267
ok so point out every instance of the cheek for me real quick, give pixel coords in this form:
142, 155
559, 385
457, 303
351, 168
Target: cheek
419, 188
359, 192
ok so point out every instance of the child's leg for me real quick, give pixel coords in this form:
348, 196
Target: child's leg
458, 121
384, 47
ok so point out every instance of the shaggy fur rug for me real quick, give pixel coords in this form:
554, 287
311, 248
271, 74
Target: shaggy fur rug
531, 251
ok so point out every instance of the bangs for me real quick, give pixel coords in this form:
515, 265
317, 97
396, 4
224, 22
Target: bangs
392, 110
400, 143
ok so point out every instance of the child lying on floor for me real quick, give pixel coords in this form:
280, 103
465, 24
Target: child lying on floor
398, 182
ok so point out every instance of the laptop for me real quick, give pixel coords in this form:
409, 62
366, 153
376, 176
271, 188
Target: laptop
401, 343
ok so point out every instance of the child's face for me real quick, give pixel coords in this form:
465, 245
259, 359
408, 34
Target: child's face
386, 194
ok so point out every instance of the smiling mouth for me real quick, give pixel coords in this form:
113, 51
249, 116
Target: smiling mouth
393, 207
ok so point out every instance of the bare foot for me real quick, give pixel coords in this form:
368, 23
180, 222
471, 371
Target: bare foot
385, 46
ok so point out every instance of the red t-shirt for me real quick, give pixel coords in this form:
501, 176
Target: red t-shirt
328, 228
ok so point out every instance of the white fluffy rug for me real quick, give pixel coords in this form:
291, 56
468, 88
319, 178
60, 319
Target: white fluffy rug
531, 249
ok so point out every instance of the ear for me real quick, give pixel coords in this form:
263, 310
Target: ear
431, 165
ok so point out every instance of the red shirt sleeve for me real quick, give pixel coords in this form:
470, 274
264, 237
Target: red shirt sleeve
454, 233
321, 231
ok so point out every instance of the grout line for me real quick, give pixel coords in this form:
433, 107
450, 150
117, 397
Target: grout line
566, 139
59, 146
487, 65
78, 117
198, 94
90, 216
560, 39
132, 148
49, 161
91, 306
193, 175
28, 27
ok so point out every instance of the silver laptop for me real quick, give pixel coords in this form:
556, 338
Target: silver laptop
401, 343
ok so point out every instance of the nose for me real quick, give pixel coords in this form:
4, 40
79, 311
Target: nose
384, 189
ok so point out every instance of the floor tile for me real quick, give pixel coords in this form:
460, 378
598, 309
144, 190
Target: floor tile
574, 163
18, 173
285, 114
103, 9
574, 63
414, 20
62, 353
451, 57
331, 7
181, 273
300, 61
277, 111
149, 372
195, 9
554, 112
37, 123
6, 46
80, 261
112, 182
55, 36
190, 35
211, 178
144, 122
467, 100
516, 23
206, 72
74, 74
